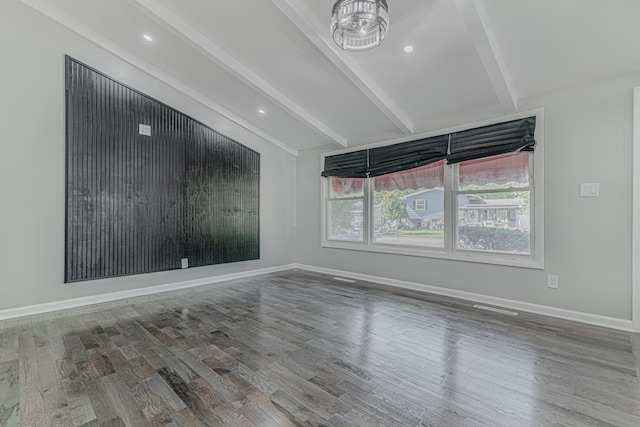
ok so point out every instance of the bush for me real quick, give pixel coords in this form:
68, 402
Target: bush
494, 239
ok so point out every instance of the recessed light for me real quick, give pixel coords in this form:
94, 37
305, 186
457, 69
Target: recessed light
147, 37
261, 111
408, 49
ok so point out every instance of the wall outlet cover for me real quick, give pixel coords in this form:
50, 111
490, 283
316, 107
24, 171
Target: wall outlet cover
144, 130
185, 262
591, 189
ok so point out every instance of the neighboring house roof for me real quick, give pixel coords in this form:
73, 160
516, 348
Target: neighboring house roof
499, 202
515, 203
421, 192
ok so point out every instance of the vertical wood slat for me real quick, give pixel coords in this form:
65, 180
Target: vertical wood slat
138, 204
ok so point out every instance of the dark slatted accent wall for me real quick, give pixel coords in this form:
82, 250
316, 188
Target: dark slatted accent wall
221, 199
138, 204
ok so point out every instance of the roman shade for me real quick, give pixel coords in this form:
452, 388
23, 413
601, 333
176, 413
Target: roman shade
407, 155
486, 141
347, 165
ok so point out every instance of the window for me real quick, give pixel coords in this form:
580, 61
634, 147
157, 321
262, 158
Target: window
345, 209
401, 198
459, 205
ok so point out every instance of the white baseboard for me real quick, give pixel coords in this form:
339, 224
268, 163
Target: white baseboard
577, 316
96, 299
591, 319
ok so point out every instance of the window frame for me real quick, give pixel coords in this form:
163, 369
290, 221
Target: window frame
424, 204
534, 260
327, 199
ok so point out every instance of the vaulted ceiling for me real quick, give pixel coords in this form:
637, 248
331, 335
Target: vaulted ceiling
272, 67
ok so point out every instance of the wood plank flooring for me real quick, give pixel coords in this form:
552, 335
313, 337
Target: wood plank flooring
299, 348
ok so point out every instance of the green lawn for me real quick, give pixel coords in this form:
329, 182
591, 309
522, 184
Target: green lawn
436, 234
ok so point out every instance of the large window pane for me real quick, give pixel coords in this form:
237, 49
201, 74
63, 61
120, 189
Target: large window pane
495, 222
345, 220
409, 207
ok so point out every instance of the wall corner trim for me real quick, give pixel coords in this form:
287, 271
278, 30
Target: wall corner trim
114, 296
635, 218
559, 313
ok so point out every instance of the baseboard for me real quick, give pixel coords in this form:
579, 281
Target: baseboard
114, 296
559, 313
587, 318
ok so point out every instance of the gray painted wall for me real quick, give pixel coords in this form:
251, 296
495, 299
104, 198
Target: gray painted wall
588, 240
32, 165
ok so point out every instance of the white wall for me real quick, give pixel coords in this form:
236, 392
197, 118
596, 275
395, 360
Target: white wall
588, 139
588, 240
32, 167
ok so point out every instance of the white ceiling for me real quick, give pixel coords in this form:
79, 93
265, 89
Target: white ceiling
238, 56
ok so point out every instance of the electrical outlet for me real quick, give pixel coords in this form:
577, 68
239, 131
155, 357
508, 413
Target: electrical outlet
552, 281
185, 262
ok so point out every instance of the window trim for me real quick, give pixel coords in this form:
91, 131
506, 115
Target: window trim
534, 260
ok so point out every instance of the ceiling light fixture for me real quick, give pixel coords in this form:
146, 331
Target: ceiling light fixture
359, 24
261, 111
408, 49
147, 37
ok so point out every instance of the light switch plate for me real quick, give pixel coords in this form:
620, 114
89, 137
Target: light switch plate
144, 130
591, 189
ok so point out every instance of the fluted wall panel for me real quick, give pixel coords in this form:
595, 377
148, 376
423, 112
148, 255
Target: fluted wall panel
138, 203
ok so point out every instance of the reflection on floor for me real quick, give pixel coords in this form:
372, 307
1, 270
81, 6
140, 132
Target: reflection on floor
298, 348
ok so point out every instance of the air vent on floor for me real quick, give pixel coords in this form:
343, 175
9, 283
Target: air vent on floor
342, 279
495, 310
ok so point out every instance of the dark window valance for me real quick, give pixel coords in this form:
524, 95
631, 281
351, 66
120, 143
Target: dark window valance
347, 165
486, 141
407, 155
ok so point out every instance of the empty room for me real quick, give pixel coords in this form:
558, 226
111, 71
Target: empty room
319, 213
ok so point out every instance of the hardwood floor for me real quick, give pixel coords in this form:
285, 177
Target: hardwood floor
299, 348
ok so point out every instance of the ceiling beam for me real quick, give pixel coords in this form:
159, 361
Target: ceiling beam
302, 17
215, 53
125, 55
474, 14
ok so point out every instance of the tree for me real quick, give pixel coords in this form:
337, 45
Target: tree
342, 215
393, 207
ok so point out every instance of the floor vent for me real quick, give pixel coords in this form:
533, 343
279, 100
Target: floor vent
342, 279
496, 310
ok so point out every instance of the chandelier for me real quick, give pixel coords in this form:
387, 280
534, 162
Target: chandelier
359, 24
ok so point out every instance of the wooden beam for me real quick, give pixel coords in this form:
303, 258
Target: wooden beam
300, 15
474, 14
230, 64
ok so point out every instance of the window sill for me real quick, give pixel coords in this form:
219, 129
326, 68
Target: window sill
476, 257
